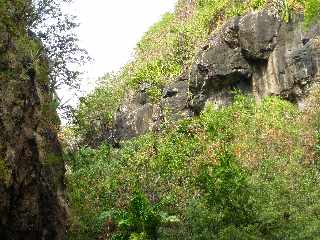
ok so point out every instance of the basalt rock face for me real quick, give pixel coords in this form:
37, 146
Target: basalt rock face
257, 53
260, 54
31, 165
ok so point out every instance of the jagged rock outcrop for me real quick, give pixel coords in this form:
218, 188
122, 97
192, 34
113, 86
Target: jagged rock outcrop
31, 164
138, 114
175, 100
257, 53
260, 54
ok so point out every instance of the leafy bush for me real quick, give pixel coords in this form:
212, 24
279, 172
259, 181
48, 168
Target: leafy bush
227, 196
226, 190
245, 171
94, 116
257, 4
311, 11
142, 219
87, 185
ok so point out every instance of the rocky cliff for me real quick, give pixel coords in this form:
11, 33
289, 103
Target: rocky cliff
257, 53
31, 165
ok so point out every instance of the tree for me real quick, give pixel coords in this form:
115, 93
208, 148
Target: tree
61, 44
46, 21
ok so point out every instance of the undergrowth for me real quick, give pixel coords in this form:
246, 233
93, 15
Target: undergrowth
240, 172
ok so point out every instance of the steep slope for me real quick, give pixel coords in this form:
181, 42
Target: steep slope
258, 53
201, 53
31, 164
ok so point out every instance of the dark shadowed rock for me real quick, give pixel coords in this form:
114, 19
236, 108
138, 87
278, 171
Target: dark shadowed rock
219, 68
257, 36
32, 170
293, 66
136, 117
175, 101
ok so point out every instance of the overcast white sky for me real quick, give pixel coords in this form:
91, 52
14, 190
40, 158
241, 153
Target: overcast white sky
110, 29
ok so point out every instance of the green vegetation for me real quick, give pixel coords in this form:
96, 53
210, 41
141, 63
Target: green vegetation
242, 172
39, 27
246, 171
142, 220
95, 113
161, 56
311, 10
52, 159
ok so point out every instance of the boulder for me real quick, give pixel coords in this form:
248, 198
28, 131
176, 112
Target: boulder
136, 116
175, 101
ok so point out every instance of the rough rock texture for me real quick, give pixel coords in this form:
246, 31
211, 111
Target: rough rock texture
138, 114
175, 100
31, 166
260, 54
256, 53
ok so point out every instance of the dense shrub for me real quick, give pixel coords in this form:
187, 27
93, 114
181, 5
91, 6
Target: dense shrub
142, 220
246, 171
94, 116
311, 10
227, 198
